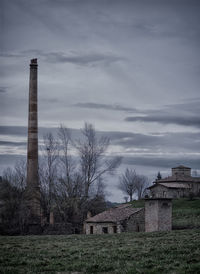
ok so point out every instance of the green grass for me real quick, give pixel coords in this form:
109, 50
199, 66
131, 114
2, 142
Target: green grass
177, 251
185, 212
161, 252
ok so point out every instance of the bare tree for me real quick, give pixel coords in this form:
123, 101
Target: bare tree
93, 161
133, 184
141, 184
127, 182
48, 171
16, 176
70, 178
12, 185
20, 174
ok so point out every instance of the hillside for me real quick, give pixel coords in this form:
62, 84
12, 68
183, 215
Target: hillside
185, 212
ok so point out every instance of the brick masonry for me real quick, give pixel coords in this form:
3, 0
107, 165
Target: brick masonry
32, 192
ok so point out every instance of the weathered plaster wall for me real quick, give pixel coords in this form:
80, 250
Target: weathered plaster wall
160, 191
158, 215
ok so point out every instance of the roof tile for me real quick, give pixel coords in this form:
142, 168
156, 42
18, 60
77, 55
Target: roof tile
114, 214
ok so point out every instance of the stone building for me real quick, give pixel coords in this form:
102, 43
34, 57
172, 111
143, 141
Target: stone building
169, 190
179, 184
123, 218
158, 214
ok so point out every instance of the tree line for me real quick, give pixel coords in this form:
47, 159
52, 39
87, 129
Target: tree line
72, 180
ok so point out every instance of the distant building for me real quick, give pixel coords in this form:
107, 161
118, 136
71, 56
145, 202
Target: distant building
179, 184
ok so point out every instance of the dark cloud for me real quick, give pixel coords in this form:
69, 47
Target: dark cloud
3, 89
105, 106
13, 130
190, 106
162, 142
177, 120
22, 131
162, 162
171, 142
142, 54
81, 59
9, 160
10, 55
184, 113
78, 58
16, 144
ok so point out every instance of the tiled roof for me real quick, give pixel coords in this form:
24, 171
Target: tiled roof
115, 214
182, 167
179, 178
174, 185
171, 185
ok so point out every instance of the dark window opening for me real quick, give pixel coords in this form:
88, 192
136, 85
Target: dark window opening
105, 230
114, 229
165, 205
76, 231
91, 229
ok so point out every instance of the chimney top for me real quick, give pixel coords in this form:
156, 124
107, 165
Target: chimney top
34, 61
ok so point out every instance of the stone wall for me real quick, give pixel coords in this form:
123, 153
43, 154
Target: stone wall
136, 222
102, 228
158, 215
160, 191
195, 188
181, 171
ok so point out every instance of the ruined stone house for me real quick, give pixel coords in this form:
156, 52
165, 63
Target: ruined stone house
116, 220
179, 184
156, 216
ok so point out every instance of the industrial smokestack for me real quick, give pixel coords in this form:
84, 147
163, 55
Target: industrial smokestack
32, 189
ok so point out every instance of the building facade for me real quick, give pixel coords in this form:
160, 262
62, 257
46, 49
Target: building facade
179, 184
123, 218
158, 214
155, 216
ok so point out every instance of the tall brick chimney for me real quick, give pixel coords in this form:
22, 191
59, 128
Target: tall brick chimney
32, 193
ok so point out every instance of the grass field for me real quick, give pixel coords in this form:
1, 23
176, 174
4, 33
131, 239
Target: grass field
161, 252
185, 212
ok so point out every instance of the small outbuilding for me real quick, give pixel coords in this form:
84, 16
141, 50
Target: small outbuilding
123, 218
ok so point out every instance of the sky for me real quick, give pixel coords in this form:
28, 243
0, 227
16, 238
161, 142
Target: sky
129, 67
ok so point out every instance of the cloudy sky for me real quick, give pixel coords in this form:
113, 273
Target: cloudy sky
129, 67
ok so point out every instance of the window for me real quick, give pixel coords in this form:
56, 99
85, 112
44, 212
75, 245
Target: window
105, 230
91, 229
165, 205
114, 229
